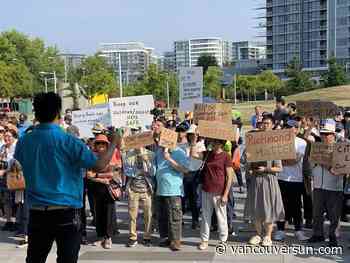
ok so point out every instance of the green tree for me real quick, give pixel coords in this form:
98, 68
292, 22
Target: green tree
269, 82
155, 83
206, 61
298, 80
15, 80
212, 82
247, 85
336, 75
28, 56
95, 77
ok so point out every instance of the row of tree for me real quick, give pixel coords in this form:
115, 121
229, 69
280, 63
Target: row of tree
23, 61
251, 87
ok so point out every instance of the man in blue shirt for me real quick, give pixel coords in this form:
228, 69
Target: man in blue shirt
52, 161
257, 117
170, 167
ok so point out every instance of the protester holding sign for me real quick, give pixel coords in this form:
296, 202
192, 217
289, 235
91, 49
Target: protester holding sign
137, 166
264, 199
216, 184
52, 161
328, 192
170, 166
291, 185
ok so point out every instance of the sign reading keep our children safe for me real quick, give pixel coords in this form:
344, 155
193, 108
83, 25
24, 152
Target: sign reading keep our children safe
132, 112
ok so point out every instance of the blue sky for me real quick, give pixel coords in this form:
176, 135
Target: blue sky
80, 25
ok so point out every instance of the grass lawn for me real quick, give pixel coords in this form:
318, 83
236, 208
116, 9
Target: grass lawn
339, 95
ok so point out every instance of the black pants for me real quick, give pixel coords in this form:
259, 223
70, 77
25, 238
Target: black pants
170, 217
331, 202
90, 196
307, 205
239, 177
45, 227
190, 189
83, 210
104, 207
291, 196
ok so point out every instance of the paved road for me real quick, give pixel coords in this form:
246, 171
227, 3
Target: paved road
120, 253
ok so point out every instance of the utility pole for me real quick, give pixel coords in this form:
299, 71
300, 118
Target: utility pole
65, 70
120, 75
45, 79
55, 81
235, 87
167, 93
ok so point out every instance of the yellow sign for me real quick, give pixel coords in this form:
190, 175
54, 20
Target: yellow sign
99, 99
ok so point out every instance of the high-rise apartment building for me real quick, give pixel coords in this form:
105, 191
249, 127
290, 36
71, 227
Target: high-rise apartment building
310, 30
342, 31
167, 62
187, 52
248, 50
131, 59
72, 60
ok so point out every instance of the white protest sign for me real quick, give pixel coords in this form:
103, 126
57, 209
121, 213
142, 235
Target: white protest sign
132, 112
86, 119
191, 87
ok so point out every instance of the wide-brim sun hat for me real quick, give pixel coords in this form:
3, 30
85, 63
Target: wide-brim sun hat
328, 126
101, 138
98, 128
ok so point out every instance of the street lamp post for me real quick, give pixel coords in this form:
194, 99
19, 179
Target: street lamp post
235, 87
347, 66
55, 81
46, 79
120, 75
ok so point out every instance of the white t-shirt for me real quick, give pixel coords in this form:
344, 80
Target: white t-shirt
294, 173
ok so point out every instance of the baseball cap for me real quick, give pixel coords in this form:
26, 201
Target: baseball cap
182, 128
328, 126
292, 123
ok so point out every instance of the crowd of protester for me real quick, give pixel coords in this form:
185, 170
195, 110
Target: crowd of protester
198, 176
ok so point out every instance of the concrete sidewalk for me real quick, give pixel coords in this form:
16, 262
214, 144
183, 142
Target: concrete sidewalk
189, 253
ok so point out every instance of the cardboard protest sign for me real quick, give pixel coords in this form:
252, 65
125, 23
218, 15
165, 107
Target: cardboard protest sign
341, 158
321, 153
191, 87
132, 112
168, 138
270, 145
138, 140
220, 112
87, 118
317, 109
217, 130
